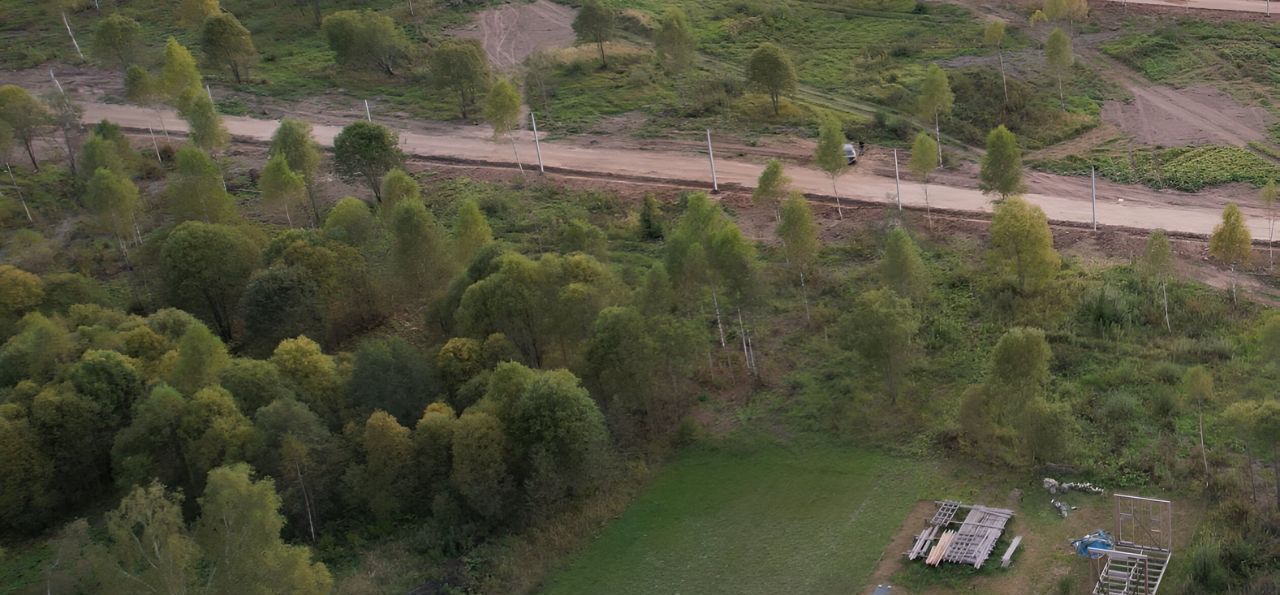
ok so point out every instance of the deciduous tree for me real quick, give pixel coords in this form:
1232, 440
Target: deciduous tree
98, 153
480, 459
771, 187
25, 117
674, 41
799, 234
201, 358
178, 73
924, 159
364, 152
1001, 171
881, 329
148, 546
350, 221
1197, 387
390, 375
113, 199
397, 186
1268, 195
993, 35
194, 191
192, 13
829, 154
460, 67
471, 232
205, 128
281, 187
1022, 244
384, 481
770, 70
365, 39
1057, 51
419, 250
293, 139
935, 99
117, 38
226, 42
595, 23
1231, 241
1156, 267
205, 269
502, 107
901, 268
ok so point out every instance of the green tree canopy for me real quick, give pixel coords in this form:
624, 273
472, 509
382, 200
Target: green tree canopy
194, 190
24, 116
396, 186
770, 70
97, 152
901, 268
113, 199
281, 187
1022, 244
390, 375
595, 23
365, 39
178, 73
924, 159
771, 187
1001, 171
227, 43
460, 67
502, 107
471, 232
480, 464
117, 39
674, 41
1231, 242
881, 329
350, 221
364, 152
935, 99
420, 255
1057, 51
192, 13
205, 269
205, 128
799, 234
293, 139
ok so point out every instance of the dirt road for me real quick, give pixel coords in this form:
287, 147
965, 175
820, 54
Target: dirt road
691, 168
1229, 5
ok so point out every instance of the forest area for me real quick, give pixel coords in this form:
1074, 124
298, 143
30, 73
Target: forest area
233, 367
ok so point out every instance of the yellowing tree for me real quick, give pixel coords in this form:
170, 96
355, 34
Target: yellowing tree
1022, 244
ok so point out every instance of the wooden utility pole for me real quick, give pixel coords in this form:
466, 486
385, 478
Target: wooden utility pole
715, 185
537, 147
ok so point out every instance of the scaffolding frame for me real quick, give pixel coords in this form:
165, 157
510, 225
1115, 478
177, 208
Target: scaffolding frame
1136, 563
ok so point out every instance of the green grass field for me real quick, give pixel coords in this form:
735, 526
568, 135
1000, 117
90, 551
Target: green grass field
771, 520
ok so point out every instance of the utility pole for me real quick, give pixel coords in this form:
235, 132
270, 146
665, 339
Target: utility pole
73, 35
715, 185
536, 145
367, 116
1093, 192
897, 187
155, 145
209, 92
515, 152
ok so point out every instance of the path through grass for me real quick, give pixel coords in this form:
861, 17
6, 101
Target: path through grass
772, 520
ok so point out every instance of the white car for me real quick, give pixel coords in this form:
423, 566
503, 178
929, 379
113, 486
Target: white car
850, 154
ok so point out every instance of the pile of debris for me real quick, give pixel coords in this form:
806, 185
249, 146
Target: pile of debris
1056, 487
970, 542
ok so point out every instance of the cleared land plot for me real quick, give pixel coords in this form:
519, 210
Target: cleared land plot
511, 32
811, 520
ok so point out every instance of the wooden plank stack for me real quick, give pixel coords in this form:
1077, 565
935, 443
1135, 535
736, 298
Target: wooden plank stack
970, 544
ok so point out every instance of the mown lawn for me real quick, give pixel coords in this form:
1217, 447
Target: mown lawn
771, 520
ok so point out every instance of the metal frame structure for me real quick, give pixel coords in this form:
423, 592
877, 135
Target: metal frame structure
971, 543
1136, 563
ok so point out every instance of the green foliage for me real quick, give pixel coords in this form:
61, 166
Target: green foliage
471, 232
280, 303
365, 152
1183, 168
596, 23
1156, 262
390, 375
420, 255
1001, 171
651, 220
35, 351
25, 473
1231, 242
192, 13
383, 482
365, 39
350, 221
770, 70
1057, 51
253, 383
881, 328
901, 268
480, 459
205, 269
1022, 244
312, 375
1191, 50
113, 199
201, 357
924, 157
799, 234
178, 74
227, 43
97, 152
674, 42
502, 107
293, 139
281, 187
117, 39
829, 154
20, 292
194, 191
147, 543
24, 116
771, 186
936, 97
460, 66
205, 125
396, 186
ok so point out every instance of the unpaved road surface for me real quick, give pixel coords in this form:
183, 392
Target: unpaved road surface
691, 168
511, 32
1229, 5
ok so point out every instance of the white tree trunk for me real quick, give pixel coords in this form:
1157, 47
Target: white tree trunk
719, 325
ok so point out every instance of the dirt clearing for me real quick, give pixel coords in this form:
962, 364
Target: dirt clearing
511, 32
1169, 117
